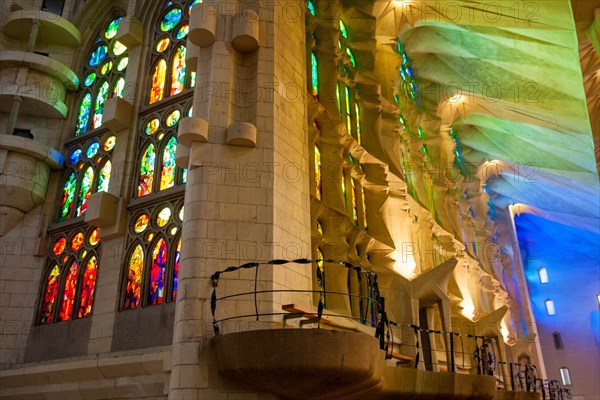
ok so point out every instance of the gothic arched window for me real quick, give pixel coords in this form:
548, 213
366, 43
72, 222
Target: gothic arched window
151, 265
73, 254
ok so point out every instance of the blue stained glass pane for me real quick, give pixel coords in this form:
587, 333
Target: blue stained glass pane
75, 155
98, 55
92, 149
311, 7
170, 19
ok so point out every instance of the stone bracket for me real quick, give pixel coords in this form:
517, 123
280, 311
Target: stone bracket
241, 134
203, 25
246, 31
117, 114
107, 212
192, 129
131, 31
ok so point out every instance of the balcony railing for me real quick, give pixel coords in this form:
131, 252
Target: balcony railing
454, 352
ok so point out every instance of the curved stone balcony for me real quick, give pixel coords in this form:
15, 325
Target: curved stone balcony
53, 28
24, 174
43, 89
334, 364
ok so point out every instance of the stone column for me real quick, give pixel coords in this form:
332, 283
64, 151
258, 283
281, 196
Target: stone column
247, 194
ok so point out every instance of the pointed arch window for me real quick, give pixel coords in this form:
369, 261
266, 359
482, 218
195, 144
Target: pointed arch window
103, 77
69, 280
151, 266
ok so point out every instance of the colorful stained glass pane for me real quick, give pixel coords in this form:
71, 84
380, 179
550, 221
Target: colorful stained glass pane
158, 81
109, 143
170, 19
85, 191
173, 118
84, 114
77, 241
134, 278
178, 71
118, 48
156, 290
141, 223
87, 288
181, 213
122, 64
147, 166
163, 217
50, 295
98, 55
112, 28
192, 5
89, 79
119, 87
68, 197
59, 246
75, 156
348, 108
152, 126
106, 67
149, 236
193, 79
358, 130
318, 176
343, 29
184, 175
351, 55
183, 32
315, 74
354, 204
311, 7
167, 178
162, 44
364, 206
104, 177
99, 106
176, 269
94, 239
92, 150
66, 308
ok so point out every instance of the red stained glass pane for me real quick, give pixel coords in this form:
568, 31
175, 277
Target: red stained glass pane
66, 309
87, 288
50, 295
157, 273
176, 270
94, 239
59, 246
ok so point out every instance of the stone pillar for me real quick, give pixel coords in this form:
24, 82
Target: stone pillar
247, 194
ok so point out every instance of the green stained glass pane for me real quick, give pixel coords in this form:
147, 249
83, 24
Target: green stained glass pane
92, 150
112, 28
343, 29
98, 55
192, 5
339, 97
162, 45
183, 32
122, 64
311, 8
170, 19
84, 114
118, 48
167, 178
106, 67
147, 166
68, 197
85, 191
89, 79
152, 126
358, 130
173, 118
99, 106
178, 72
119, 87
184, 176
104, 177
315, 74
351, 55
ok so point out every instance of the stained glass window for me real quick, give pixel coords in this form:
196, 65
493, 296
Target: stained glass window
88, 171
318, 176
315, 74
170, 75
153, 264
151, 269
106, 53
71, 274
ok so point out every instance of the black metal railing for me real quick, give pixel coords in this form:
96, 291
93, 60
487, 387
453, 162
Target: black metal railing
454, 351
